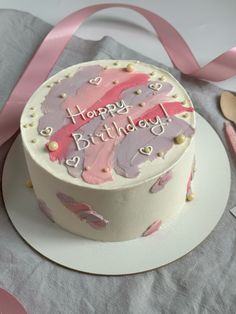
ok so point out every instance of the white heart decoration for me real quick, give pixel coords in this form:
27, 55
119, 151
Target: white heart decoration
95, 81
147, 150
155, 86
73, 162
46, 131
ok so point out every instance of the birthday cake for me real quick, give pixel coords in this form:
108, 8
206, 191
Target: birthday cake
110, 148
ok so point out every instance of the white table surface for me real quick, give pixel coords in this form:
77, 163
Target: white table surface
208, 26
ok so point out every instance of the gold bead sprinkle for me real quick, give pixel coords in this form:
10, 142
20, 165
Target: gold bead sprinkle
174, 96
50, 85
179, 139
184, 101
130, 67
63, 95
147, 149
29, 184
162, 78
86, 168
115, 63
32, 108
57, 81
105, 68
142, 104
105, 169
115, 82
190, 197
53, 146
185, 115
34, 140
32, 115
31, 124
25, 126
68, 75
152, 73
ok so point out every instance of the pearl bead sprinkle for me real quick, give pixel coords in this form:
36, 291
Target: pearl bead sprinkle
130, 67
180, 139
53, 146
137, 61
29, 184
138, 92
63, 95
190, 197
105, 170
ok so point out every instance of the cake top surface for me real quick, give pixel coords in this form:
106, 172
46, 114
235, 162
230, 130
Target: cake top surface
108, 124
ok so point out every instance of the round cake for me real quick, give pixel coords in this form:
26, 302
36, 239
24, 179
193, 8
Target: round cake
110, 148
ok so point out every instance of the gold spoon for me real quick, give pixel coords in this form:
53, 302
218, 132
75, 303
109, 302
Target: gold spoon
228, 106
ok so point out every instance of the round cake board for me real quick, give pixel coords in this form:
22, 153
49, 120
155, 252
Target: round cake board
183, 234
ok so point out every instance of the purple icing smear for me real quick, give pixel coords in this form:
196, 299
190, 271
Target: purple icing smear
129, 160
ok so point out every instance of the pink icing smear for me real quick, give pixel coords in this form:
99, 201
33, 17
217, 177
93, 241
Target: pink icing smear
152, 228
83, 211
172, 108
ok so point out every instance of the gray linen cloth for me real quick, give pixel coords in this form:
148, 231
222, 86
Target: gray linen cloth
203, 281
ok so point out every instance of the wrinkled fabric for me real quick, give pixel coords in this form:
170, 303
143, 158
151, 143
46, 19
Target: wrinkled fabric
203, 281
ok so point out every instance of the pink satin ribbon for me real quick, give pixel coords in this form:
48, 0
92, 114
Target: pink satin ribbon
9, 304
221, 68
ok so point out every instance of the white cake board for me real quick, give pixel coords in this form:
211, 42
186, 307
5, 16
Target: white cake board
189, 229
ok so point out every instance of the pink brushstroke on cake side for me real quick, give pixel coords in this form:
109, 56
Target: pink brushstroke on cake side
45, 209
152, 228
161, 182
83, 211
